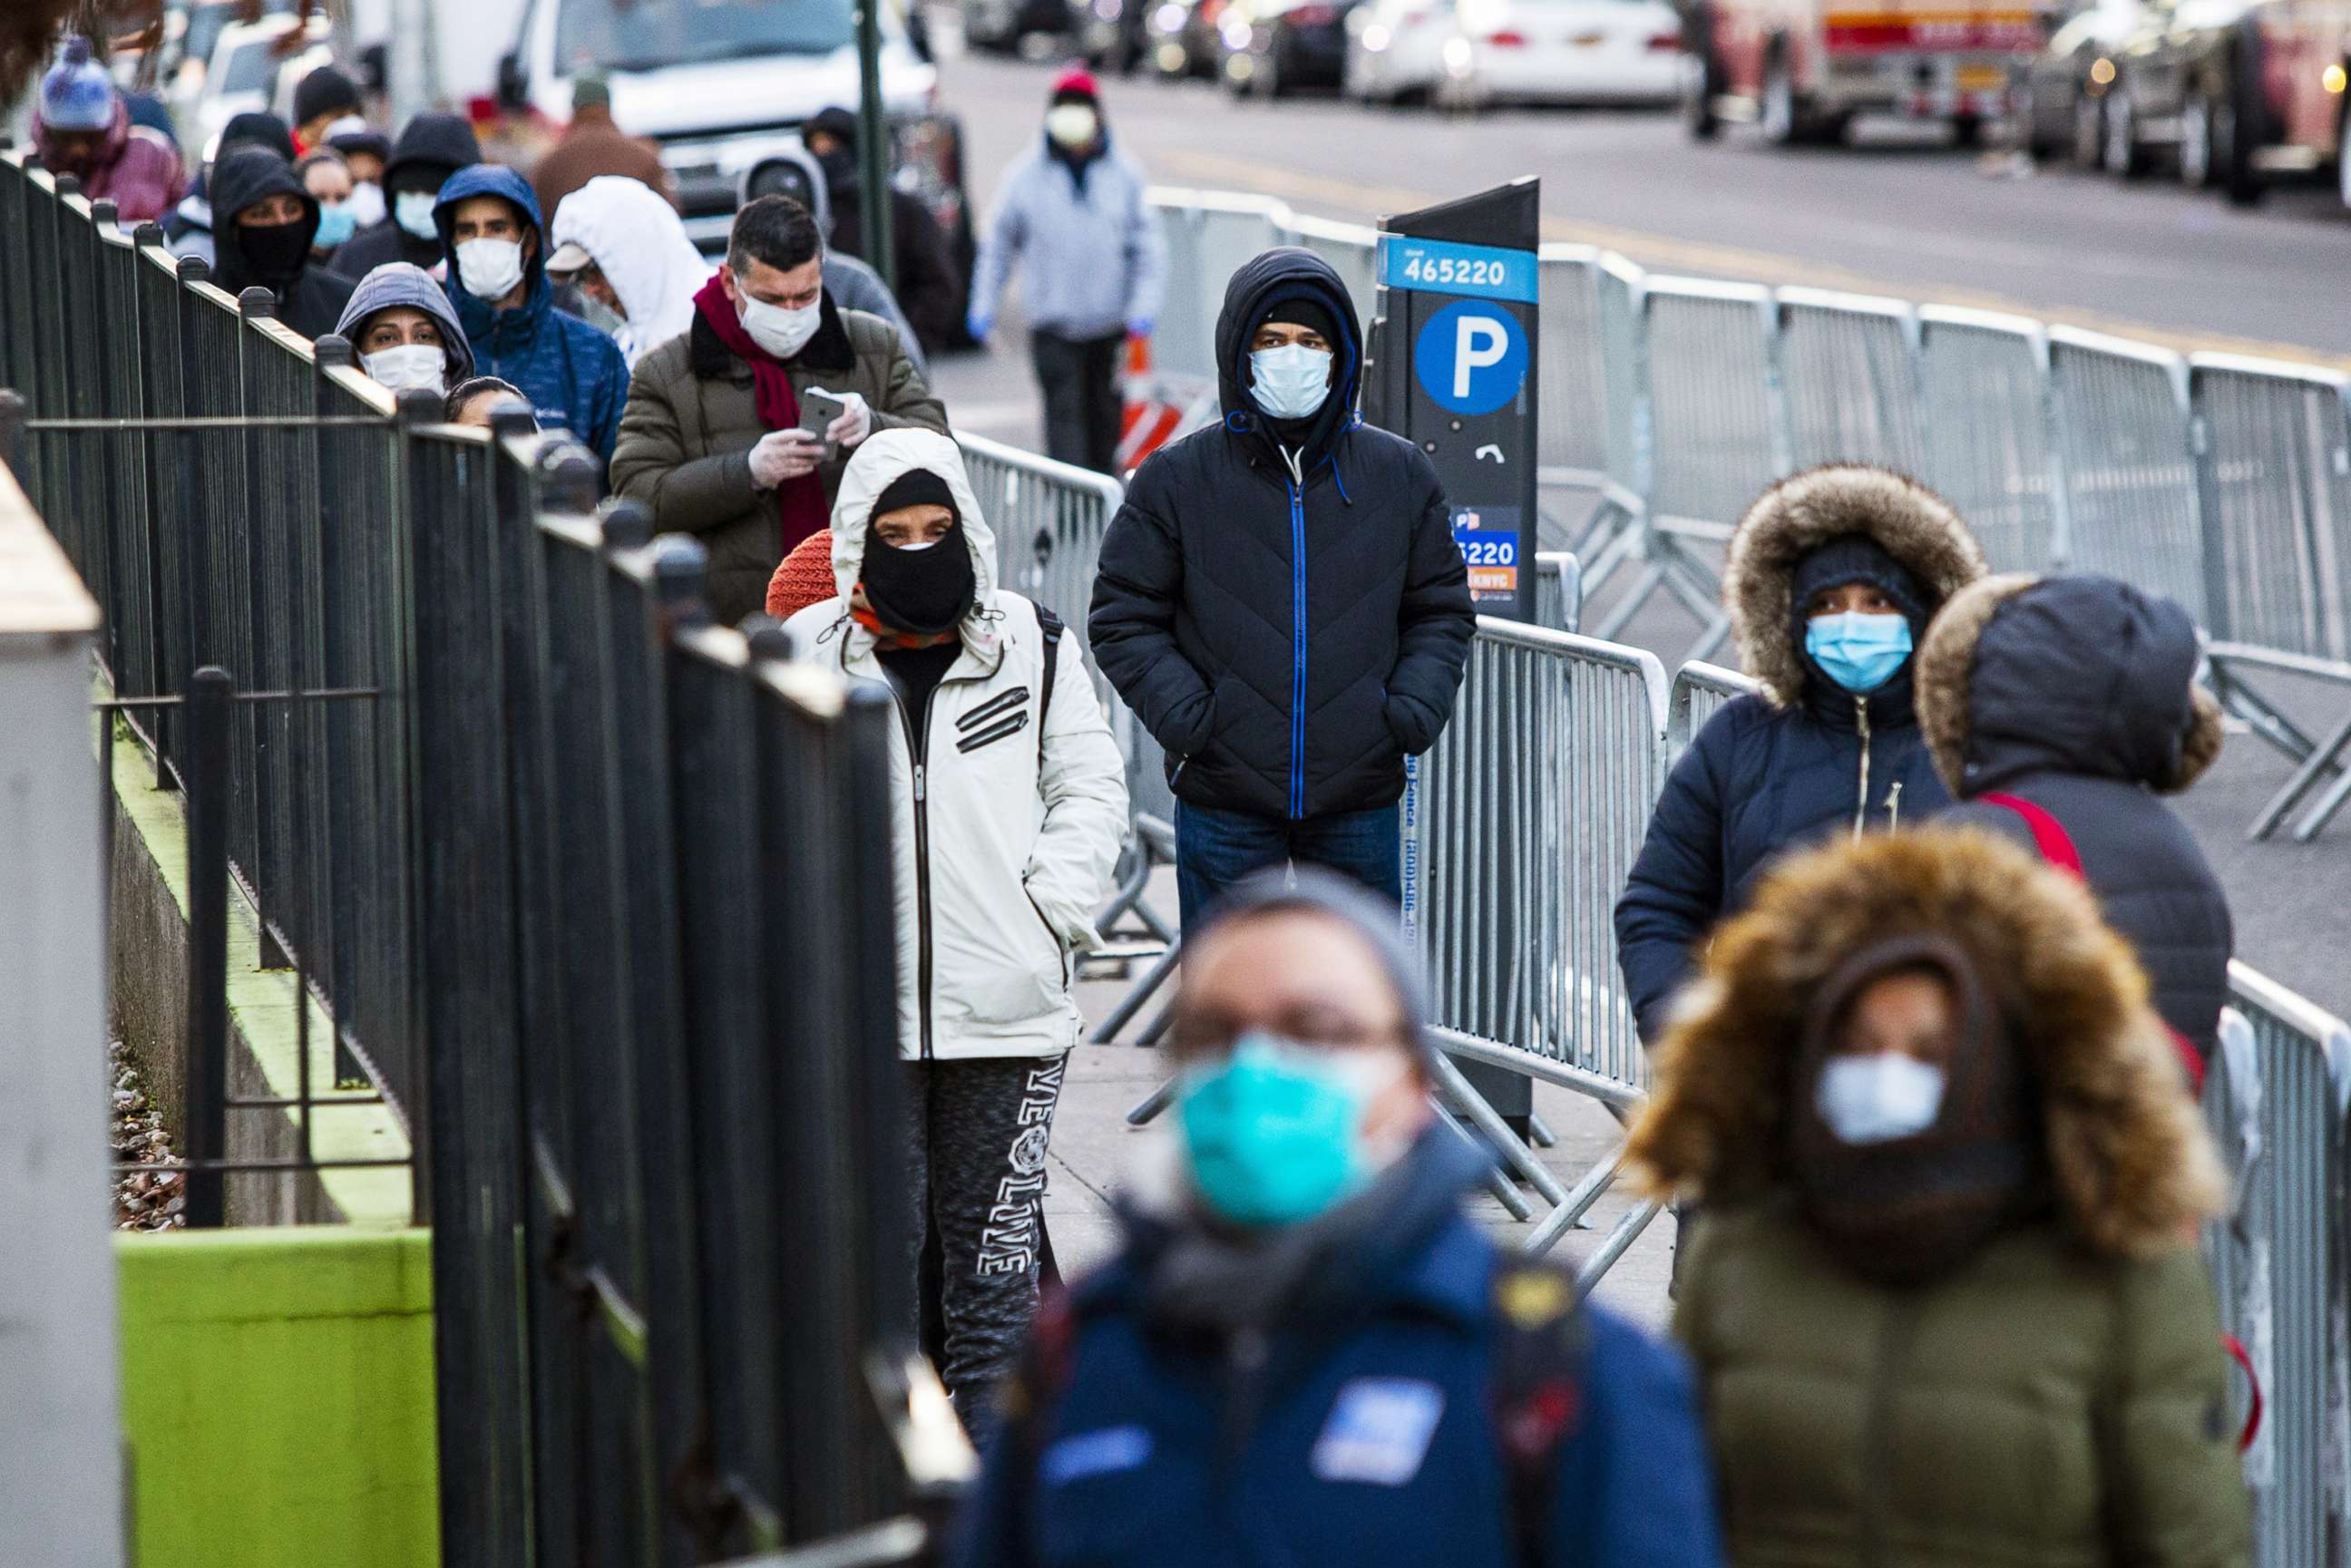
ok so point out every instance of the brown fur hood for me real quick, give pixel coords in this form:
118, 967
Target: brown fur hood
2131, 1163
1794, 517
2078, 673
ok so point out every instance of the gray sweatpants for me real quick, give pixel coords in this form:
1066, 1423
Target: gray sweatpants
978, 1132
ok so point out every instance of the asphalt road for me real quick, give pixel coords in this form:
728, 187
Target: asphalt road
1921, 222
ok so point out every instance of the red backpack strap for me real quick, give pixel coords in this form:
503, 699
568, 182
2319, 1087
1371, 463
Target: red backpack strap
2236, 1349
2048, 834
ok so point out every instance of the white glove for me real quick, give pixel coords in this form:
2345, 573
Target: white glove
855, 424
782, 454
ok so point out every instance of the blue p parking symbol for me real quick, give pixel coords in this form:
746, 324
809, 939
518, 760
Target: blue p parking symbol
1471, 357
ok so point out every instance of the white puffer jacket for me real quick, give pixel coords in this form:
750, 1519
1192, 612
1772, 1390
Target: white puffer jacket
1005, 847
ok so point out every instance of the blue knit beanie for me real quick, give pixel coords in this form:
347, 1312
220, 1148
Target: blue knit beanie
77, 94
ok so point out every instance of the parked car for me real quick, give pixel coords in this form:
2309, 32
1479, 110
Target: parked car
1470, 52
1274, 47
1805, 68
1183, 36
2061, 91
998, 25
2232, 93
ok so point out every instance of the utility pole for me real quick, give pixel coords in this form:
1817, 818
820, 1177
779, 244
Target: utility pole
873, 147
408, 70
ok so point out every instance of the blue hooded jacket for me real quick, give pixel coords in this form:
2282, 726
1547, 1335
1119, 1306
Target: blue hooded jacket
574, 375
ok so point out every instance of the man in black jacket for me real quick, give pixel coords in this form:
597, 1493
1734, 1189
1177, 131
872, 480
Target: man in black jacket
1282, 602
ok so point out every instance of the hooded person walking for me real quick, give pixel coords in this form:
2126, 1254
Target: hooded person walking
431, 149
793, 172
1831, 578
263, 223
1280, 601
1946, 1305
1304, 1352
929, 283
1012, 804
399, 323
623, 248
495, 247
2060, 711
82, 127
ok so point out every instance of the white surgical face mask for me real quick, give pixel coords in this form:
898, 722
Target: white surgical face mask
367, 204
408, 365
412, 210
1290, 381
489, 268
1072, 124
780, 332
1878, 1098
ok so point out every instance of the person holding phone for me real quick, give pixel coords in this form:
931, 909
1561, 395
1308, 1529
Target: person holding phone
738, 430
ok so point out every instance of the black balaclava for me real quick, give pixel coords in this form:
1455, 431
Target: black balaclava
839, 164
926, 589
1300, 310
276, 253
1910, 1209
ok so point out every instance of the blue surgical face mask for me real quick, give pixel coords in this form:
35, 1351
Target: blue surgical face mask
1290, 381
337, 223
413, 211
1859, 652
1878, 1098
1273, 1134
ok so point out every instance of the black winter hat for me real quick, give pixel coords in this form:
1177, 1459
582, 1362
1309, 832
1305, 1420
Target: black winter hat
324, 91
432, 147
256, 128
1857, 557
915, 488
1301, 310
838, 123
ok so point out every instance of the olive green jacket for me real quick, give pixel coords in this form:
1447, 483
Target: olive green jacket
2041, 1405
684, 448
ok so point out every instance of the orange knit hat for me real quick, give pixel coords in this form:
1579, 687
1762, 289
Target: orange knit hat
803, 577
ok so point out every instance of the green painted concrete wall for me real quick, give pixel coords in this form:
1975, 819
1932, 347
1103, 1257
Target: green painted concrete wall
277, 1397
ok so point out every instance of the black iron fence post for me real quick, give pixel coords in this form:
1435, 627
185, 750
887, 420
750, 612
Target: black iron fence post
12, 433
210, 710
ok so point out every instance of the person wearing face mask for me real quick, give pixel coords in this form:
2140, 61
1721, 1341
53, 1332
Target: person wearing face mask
1303, 1351
321, 99
794, 171
496, 274
365, 152
327, 179
2060, 711
592, 147
1831, 578
188, 231
1075, 219
928, 282
1011, 803
431, 147
711, 440
400, 324
625, 250
1946, 1306
82, 127
1280, 601
265, 226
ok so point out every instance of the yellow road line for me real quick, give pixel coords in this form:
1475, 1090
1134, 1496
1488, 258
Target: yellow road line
1663, 253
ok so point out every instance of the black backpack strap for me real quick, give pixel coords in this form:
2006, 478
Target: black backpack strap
1051, 625
1539, 1379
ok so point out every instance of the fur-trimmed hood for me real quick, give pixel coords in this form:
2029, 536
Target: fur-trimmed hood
1909, 522
2130, 1160
2071, 674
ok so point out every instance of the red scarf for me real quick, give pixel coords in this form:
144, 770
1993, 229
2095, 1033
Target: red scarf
801, 501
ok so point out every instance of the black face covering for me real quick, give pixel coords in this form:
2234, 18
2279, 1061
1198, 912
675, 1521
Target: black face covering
275, 252
840, 166
925, 591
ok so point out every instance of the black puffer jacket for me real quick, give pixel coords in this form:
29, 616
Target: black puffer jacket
2078, 695
1805, 761
313, 302
1288, 635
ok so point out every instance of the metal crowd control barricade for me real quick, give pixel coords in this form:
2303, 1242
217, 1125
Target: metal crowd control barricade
1700, 692
1352, 249
1617, 530
1985, 425
2273, 472
1848, 363
1520, 827
2275, 1098
1209, 234
1572, 399
2124, 457
1559, 590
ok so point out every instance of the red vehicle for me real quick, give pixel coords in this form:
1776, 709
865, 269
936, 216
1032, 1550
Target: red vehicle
1805, 68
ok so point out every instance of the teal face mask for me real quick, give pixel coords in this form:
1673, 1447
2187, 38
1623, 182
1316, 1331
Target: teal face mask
1273, 1134
337, 223
1859, 652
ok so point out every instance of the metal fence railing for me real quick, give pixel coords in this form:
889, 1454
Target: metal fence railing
2218, 481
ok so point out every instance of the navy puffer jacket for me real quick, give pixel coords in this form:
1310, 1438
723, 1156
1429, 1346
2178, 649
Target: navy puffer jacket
1288, 617
1805, 759
2078, 695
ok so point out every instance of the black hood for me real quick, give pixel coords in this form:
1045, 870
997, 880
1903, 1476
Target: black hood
2072, 675
262, 129
1287, 270
248, 175
441, 141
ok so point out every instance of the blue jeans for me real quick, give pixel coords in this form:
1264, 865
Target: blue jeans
1214, 850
